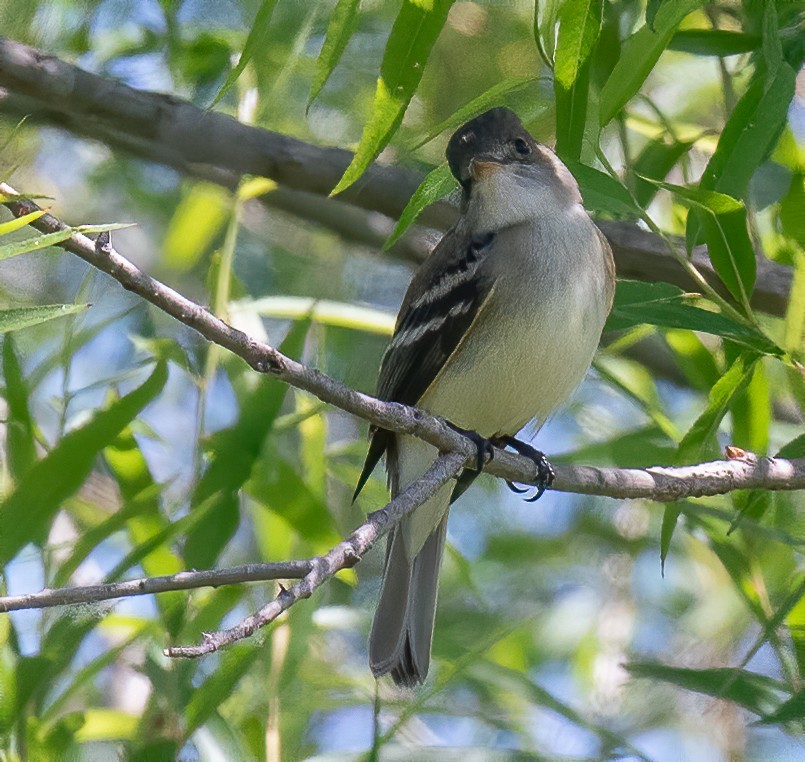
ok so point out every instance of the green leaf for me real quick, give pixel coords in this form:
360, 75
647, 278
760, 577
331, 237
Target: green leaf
664, 305
722, 219
602, 193
342, 24
20, 447
437, 183
256, 41
792, 210
713, 42
638, 56
20, 222
793, 449
234, 664
579, 27
412, 37
699, 442
23, 317
486, 100
35, 243
235, 451
545, 13
53, 479
750, 133
792, 710
655, 161
755, 692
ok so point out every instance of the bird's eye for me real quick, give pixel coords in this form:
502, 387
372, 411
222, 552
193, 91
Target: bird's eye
522, 147
467, 138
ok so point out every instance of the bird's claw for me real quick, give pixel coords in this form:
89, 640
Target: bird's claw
545, 472
483, 446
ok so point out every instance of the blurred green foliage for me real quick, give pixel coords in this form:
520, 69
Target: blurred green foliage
130, 448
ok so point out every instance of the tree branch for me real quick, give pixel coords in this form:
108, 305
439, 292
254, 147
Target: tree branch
186, 580
344, 555
742, 472
173, 131
662, 484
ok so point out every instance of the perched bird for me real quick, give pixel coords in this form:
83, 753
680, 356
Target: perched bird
497, 328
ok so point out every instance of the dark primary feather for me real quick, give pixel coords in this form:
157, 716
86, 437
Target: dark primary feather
441, 303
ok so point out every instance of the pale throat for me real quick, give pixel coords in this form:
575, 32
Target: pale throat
510, 196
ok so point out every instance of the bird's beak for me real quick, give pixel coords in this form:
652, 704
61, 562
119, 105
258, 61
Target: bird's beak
485, 167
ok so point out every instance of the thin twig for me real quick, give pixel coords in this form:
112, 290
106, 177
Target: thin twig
187, 580
343, 556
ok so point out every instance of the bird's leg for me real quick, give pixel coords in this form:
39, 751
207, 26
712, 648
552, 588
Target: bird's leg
482, 445
545, 474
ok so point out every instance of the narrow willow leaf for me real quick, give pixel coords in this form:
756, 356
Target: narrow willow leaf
29, 509
486, 100
670, 516
638, 56
256, 40
750, 133
713, 42
20, 438
795, 312
197, 221
545, 13
34, 243
700, 440
579, 28
723, 223
23, 317
412, 37
666, 306
437, 183
342, 24
792, 210
602, 193
326, 312
758, 693
20, 222
792, 710
655, 161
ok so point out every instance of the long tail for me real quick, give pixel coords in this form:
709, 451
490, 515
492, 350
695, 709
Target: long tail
402, 629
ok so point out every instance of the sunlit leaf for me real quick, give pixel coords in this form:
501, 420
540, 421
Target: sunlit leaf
722, 219
638, 56
412, 36
750, 133
437, 183
23, 317
196, 222
699, 441
20, 222
35, 243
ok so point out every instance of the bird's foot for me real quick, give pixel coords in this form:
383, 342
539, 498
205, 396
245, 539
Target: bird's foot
545, 474
483, 446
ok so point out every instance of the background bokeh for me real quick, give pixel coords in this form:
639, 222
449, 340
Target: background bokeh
558, 635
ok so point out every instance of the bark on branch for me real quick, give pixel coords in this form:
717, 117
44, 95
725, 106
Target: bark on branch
657, 483
213, 145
